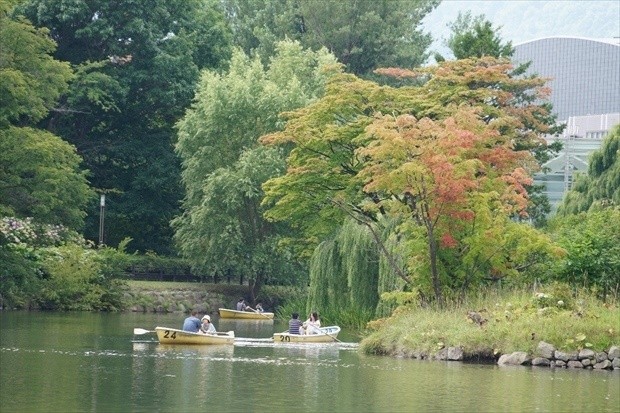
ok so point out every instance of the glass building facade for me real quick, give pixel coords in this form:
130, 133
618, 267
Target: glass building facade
584, 77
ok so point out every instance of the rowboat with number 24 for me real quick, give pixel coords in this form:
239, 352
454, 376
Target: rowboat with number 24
173, 336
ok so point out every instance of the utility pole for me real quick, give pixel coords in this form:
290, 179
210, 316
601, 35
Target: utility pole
568, 153
101, 217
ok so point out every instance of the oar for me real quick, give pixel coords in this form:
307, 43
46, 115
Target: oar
332, 337
258, 312
139, 331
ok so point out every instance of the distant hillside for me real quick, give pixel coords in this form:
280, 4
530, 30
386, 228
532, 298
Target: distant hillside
523, 21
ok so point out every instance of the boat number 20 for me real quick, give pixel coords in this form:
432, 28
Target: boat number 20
285, 338
168, 335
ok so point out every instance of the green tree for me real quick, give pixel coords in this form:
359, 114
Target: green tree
363, 35
600, 187
40, 174
476, 37
448, 160
137, 66
222, 229
40, 177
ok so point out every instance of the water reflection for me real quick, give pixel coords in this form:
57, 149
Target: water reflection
99, 368
247, 328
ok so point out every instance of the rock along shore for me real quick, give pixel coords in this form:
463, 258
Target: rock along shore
546, 355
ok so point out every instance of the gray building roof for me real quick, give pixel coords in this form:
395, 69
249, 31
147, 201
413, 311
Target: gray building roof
584, 73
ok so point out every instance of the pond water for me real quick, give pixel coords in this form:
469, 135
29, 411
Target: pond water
85, 362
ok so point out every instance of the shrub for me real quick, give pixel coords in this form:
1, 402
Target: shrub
592, 241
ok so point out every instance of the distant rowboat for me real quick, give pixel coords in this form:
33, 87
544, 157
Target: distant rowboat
249, 315
327, 335
173, 336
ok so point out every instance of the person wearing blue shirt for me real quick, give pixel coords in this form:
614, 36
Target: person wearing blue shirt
192, 323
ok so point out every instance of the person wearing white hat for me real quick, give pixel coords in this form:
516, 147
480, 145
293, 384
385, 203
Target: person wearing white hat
207, 327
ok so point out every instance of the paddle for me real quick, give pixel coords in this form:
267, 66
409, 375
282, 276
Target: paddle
258, 312
139, 331
332, 337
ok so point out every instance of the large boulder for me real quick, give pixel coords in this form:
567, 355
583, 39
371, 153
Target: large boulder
541, 361
545, 350
614, 352
517, 358
560, 355
586, 353
601, 356
574, 364
455, 353
606, 364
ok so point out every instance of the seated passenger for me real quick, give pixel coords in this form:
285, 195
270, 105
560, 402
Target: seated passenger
294, 324
207, 327
312, 325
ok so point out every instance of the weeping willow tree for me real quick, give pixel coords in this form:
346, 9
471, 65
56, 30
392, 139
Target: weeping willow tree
344, 274
388, 280
360, 261
328, 282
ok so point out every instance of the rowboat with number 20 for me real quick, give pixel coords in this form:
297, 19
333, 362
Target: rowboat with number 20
173, 336
327, 335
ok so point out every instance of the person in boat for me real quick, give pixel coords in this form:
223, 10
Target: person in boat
207, 327
192, 323
312, 325
259, 308
242, 306
294, 324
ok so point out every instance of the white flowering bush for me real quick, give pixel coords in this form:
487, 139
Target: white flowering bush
25, 232
52, 267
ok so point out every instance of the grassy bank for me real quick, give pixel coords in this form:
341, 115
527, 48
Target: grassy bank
498, 323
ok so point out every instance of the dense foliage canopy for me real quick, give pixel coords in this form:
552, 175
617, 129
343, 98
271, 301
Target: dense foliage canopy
40, 174
222, 230
364, 35
448, 160
136, 68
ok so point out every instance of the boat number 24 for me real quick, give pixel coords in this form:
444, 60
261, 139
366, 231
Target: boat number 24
168, 335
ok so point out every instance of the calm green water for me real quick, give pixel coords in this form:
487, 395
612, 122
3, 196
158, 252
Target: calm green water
82, 362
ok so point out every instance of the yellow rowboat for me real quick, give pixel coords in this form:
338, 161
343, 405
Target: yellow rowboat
327, 335
173, 336
247, 315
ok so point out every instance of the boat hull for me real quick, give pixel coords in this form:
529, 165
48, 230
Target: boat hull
328, 335
244, 315
173, 336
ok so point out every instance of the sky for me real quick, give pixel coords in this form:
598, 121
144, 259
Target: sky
523, 20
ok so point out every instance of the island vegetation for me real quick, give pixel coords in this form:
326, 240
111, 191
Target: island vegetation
264, 143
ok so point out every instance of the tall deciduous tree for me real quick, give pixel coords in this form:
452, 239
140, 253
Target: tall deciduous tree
363, 35
40, 174
222, 229
137, 65
448, 160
